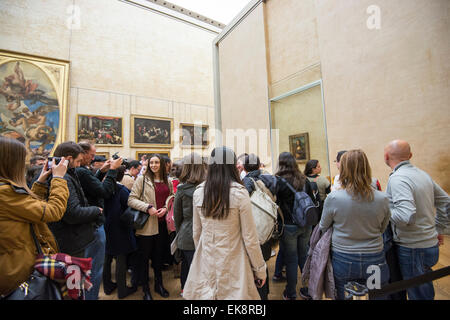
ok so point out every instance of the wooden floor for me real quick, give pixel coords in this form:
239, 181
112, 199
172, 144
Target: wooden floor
172, 284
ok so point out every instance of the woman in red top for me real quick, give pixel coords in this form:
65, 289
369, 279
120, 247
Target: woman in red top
157, 188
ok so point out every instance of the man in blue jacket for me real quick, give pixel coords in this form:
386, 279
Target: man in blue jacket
97, 188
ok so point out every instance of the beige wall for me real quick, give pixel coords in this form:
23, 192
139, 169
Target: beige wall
389, 83
378, 84
243, 84
123, 60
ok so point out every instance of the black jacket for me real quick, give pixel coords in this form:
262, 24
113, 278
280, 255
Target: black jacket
94, 188
182, 214
120, 238
75, 231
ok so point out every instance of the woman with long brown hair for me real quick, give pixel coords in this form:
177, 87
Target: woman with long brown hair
228, 263
193, 173
294, 240
149, 194
359, 215
22, 208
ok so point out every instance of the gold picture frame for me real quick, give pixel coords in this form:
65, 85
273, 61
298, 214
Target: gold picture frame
299, 147
36, 114
160, 131
104, 154
190, 126
139, 154
105, 135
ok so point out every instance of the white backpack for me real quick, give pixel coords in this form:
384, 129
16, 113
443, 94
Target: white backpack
264, 211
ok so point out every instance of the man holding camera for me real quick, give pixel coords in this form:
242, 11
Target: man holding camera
97, 187
75, 231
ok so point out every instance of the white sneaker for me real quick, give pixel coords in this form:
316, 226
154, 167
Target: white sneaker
273, 253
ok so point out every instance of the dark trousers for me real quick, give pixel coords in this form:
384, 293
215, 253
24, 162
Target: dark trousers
266, 250
121, 274
188, 255
148, 248
166, 257
394, 271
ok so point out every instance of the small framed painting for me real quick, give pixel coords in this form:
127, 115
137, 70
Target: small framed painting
100, 130
145, 155
151, 132
299, 147
103, 154
194, 136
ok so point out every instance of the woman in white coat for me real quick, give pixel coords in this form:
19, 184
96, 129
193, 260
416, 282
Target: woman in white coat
228, 263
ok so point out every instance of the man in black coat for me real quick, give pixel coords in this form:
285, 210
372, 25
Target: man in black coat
97, 188
75, 231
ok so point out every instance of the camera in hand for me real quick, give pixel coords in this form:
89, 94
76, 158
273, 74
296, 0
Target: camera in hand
53, 161
125, 163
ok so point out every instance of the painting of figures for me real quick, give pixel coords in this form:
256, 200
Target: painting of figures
100, 130
33, 99
151, 131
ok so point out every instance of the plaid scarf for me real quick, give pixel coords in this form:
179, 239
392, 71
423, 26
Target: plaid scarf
72, 273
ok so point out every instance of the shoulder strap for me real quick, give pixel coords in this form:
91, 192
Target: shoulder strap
143, 187
289, 185
36, 242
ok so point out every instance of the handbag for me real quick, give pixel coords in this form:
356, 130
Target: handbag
135, 218
169, 216
38, 286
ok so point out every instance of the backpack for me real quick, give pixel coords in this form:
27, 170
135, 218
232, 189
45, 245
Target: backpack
264, 211
169, 216
305, 212
314, 187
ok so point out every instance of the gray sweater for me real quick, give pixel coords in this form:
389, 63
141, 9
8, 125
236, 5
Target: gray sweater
420, 208
357, 225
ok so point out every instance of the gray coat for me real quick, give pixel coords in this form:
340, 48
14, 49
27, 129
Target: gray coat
318, 270
182, 214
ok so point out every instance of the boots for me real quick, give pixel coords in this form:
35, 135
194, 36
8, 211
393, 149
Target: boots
147, 295
159, 288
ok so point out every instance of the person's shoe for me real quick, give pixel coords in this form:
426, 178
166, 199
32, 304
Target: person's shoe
165, 267
159, 288
285, 297
304, 293
108, 289
147, 295
277, 278
128, 291
273, 253
181, 293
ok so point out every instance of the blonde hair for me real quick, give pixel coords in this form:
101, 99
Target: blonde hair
356, 175
12, 162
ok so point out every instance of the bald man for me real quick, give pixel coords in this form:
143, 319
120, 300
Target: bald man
417, 230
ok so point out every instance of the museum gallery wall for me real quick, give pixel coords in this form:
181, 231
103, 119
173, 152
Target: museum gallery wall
109, 82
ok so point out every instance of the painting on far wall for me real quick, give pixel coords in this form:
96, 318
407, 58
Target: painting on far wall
149, 154
33, 101
194, 136
100, 130
103, 154
151, 132
299, 147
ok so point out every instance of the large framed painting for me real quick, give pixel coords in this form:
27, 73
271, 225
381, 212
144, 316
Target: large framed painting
151, 132
100, 130
33, 101
299, 147
194, 136
149, 154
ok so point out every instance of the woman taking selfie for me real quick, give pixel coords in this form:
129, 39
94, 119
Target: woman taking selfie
228, 263
359, 215
149, 194
22, 207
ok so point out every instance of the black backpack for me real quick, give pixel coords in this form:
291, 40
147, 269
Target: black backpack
305, 212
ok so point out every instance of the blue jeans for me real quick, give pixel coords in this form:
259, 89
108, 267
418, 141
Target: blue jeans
294, 246
415, 262
279, 263
354, 267
96, 251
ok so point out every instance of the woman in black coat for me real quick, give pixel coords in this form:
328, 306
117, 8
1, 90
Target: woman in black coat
120, 240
